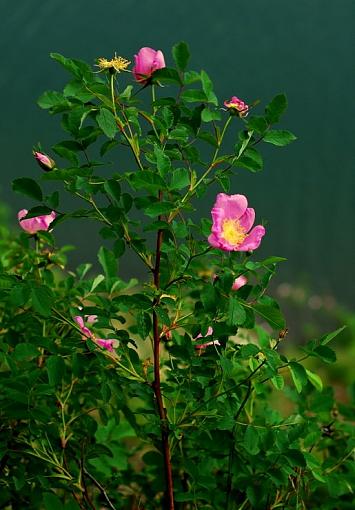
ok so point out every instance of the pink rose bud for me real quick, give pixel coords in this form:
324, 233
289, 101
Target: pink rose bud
44, 161
33, 225
239, 282
237, 106
232, 224
146, 62
206, 344
85, 331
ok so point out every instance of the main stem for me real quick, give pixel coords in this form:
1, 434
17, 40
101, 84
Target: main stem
157, 383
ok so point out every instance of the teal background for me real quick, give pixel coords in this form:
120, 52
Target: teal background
251, 49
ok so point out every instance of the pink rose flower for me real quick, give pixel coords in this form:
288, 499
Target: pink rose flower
206, 344
44, 161
146, 62
239, 282
232, 221
237, 106
33, 225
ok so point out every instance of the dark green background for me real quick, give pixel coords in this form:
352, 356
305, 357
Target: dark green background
252, 49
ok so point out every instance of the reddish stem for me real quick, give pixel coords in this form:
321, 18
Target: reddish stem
157, 384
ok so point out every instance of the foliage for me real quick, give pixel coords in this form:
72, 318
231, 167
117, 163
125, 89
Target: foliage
84, 427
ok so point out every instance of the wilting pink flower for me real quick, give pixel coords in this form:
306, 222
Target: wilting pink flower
232, 221
239, 282
106, 344
237, 106
206, 344
44, 161
146, 62
33, 225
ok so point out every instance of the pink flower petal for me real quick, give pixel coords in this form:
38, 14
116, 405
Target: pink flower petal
253, 239
106, 344
239, 282
248, 218
147, 61
33, 225
233, 206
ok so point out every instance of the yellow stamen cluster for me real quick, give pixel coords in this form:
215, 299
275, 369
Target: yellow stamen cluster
117, 63
233, 232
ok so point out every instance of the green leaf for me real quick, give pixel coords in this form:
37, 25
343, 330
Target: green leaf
209, 298
251, 440
207, 87
19, 295
144, 324
42, 300
52, 502
325, 353
278, 381
25, 351
65, 153
159, 208
181, 55
250, 159
146, 179
113, 189
108, 262
29, 187
76, 89
180, 178
166, 75
55, 369
163, 161
97, 280
194, 96
209, 115
271, 313
236, 312
275, 108
279, 137
315, 380
52, 98
106, 121
257, 123
77, 67
327, 338
298, 374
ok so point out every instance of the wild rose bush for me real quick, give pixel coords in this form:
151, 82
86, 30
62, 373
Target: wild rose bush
163, 393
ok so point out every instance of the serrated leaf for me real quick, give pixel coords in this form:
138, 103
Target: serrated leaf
42, 300
236, 312
180, 178
181, 55
78, 68
275, 108
159, 208
194, 96
279, 137
166, 75
113, 189
271, 313
207, 87
257, 123
208, 115
108, 262
28, 187
250, 159
52, 98
325, 353
55, 369
251, 440
106, 121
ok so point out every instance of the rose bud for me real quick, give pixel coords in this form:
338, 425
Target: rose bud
146, 62
44, 161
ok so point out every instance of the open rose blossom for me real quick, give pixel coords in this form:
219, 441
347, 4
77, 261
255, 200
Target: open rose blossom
232, 221
239, 282
146, 62
206, 344
237, 106
33, 225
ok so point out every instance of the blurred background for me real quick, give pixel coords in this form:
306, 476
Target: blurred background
252, 49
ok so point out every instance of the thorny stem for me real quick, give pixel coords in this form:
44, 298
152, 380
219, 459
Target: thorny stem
157, 382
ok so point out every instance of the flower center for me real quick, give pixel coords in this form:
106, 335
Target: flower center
233, 232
